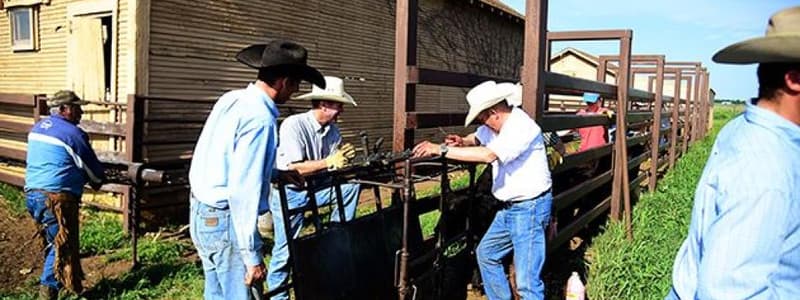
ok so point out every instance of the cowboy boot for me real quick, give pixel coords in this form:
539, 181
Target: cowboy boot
47, 293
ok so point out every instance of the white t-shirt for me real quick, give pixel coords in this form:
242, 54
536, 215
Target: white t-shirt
520, 171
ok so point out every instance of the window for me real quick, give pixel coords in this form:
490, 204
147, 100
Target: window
23, 28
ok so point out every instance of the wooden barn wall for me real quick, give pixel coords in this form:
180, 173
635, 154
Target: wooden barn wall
45, 69
35, 72
192, 48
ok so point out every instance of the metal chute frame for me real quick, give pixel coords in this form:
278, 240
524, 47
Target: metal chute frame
379, 255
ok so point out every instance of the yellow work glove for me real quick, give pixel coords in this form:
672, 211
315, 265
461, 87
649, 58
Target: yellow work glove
609, 113
554, 159
340, 157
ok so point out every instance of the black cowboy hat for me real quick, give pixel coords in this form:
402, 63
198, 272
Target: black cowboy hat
284, 56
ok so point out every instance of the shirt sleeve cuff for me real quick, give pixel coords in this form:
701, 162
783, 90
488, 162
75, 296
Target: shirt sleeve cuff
252, 258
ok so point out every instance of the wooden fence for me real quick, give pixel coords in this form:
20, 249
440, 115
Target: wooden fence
639, 132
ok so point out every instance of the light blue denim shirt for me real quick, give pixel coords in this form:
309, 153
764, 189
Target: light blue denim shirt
744, 237
233, 161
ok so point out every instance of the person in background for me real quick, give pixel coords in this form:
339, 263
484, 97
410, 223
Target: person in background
309, 143
744, 237
593, 136
512, 142
232, 167
60, 162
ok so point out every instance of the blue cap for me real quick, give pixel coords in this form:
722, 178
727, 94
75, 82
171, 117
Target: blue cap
590, 97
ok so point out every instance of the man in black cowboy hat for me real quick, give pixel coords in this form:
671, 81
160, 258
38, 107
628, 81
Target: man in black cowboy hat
744, 235
232, 166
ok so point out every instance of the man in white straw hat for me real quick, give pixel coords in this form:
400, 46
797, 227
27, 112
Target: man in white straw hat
232, 165
744, 237
308, 144
512, 142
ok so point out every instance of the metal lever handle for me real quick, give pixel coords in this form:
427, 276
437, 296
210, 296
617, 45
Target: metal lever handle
397, 267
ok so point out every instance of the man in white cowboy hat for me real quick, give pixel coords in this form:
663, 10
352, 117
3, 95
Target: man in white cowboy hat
309, 143
744, 237
232, 166
512, 142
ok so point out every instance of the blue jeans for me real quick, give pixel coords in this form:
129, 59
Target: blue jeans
36, 202
518, 228
278, 273
223, 267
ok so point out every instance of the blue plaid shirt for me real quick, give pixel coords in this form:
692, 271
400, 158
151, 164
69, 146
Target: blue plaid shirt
744, 238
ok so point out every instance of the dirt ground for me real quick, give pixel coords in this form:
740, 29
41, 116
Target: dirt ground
21, 256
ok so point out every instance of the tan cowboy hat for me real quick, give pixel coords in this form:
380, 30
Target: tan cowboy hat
486, 95
781, 43
333, 91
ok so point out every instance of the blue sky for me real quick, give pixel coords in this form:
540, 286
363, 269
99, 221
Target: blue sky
683, 30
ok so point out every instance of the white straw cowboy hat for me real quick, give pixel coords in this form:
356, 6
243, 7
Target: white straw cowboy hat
780, 44
333, 91
486, 95
515, 99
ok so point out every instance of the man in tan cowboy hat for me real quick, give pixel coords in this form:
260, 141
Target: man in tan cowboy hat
512, 142
309, 142
232, 166
744, 237
60, 162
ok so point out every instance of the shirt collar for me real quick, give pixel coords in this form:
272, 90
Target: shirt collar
772, 121
318, 128
260, 94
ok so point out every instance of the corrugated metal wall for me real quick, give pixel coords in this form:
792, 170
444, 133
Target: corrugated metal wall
44, 71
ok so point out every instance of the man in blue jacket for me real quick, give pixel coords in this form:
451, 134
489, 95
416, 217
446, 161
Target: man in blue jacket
60, 162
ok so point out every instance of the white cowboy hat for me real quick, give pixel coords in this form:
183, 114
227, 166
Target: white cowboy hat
333, 91
484, 96
515, 99
780, 44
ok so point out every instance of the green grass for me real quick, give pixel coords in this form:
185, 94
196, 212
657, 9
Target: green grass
101, 232
14, 198
153, 251
164, 274
642, 268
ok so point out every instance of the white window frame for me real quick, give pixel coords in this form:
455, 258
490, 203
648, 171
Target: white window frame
28, 44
